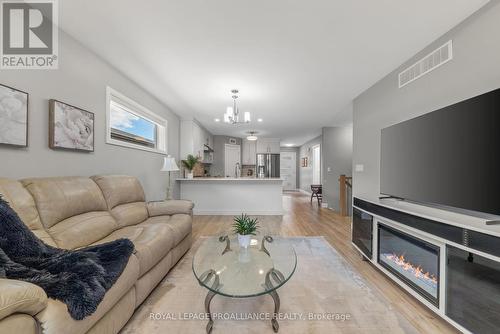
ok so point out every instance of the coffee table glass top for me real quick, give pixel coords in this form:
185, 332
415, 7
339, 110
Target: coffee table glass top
224, 268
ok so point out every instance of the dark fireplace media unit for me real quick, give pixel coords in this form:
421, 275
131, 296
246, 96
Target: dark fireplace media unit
455, 271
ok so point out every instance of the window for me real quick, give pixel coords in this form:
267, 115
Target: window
131, 125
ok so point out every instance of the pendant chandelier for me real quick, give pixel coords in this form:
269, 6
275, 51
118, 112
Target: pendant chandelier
252, 136
232, 115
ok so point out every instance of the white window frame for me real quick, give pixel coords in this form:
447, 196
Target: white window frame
140, 111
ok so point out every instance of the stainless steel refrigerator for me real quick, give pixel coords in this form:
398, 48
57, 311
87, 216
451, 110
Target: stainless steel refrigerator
268, 165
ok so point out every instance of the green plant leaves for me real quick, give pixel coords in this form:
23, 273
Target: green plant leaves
244, 225
190, 162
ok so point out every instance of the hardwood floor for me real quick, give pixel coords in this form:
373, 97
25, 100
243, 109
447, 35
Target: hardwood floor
305, 219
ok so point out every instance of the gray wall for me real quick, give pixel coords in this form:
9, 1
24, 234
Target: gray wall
474, 70
336, 160
217, 168
296, 150
305, 173
81, 81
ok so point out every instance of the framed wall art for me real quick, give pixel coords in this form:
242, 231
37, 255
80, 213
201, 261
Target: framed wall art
70, 127
13, 116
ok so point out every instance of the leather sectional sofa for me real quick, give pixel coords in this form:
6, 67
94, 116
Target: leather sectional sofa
74, 212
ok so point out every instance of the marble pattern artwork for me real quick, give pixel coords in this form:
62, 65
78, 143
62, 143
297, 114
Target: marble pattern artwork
70, 127
13, 116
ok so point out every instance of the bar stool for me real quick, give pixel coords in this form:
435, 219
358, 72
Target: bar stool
317, 191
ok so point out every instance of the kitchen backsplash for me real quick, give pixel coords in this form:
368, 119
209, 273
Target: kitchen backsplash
248, 170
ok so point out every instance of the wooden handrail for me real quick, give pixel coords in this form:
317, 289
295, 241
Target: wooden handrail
345, 183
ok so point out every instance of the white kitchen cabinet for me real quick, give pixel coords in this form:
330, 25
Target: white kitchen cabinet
197, 141
193, 140
249, 153
268, 145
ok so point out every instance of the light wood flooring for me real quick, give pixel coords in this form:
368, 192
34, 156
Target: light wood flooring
305, 219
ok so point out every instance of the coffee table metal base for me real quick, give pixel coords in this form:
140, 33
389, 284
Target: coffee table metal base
274, 321
271, 275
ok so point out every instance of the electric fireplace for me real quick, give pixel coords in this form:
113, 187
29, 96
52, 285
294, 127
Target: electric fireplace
412, 260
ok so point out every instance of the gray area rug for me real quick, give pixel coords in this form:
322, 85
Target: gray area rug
324, 286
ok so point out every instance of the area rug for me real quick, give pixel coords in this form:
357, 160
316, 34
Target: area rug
325, 295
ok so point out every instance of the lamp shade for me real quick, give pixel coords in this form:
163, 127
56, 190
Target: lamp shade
169, 164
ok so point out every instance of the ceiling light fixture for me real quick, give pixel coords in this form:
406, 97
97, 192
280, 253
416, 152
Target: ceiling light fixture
252, 136
259, 119
232, 114
217, 119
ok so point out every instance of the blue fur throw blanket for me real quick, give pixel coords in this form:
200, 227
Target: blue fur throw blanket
78, 278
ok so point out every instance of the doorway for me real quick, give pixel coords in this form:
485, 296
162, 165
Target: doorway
288, 170
232, 156
316, 164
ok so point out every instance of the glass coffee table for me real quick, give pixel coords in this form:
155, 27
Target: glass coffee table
225, 269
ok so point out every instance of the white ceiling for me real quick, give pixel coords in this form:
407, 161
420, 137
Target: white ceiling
297, 63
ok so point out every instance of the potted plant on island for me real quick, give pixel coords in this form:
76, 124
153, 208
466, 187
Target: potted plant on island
245, 227
189, 164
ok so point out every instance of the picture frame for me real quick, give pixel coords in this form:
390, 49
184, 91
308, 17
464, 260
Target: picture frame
304, 162
14, 116
70, 127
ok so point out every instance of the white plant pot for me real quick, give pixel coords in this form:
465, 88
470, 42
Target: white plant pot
244, 240
189, 175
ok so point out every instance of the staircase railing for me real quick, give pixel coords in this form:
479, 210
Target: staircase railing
344, 195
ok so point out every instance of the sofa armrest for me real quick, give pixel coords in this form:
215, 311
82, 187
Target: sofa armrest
171, 207
20, 297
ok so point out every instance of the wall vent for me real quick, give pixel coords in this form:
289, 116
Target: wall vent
433, 60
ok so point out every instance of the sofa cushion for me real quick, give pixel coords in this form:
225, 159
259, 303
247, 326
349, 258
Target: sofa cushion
170, 207
19, 323
55, 318
22, 202
83, 230
72, 210
152, 243
58, 198
117, 317
130, 213
180, 225
120, 189
20, 297
124, 197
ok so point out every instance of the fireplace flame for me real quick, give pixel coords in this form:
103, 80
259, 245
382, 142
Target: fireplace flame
407, 266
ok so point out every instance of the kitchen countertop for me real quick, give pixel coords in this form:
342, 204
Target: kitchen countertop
231, 179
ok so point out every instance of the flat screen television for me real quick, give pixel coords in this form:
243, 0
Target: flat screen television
448, 157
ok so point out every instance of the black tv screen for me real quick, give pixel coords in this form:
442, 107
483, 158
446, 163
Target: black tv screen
448, 157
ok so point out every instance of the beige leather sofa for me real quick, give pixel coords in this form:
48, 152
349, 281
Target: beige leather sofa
74, 212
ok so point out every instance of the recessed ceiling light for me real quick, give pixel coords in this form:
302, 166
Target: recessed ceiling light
288, 145
217, 119
259, 119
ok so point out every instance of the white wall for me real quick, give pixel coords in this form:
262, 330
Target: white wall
474, 70
81, 81
336, 156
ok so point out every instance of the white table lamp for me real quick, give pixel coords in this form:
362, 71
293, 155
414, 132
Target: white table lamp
169, 166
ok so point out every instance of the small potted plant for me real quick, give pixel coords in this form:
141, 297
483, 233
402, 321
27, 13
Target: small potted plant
245, 227
189, 164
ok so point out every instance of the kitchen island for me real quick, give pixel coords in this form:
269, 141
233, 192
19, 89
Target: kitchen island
233, 196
